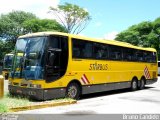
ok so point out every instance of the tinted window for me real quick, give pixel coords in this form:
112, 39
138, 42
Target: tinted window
81, 49
93, 50
129, 54
115, 53
139, 56
100, 51
154, 57
147, 56
54, 42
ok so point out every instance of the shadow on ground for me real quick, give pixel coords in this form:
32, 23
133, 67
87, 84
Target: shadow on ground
108, 93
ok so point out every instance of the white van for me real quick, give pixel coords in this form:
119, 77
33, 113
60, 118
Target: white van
158, 68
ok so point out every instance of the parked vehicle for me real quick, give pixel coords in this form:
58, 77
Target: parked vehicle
7, 64
56, 65
158, 68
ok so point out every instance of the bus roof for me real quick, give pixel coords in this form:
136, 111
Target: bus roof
111, 42
43, 34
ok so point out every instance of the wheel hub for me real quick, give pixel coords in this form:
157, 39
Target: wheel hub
72, 92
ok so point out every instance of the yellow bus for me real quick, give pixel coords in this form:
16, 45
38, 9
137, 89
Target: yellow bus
58, 65
7, 64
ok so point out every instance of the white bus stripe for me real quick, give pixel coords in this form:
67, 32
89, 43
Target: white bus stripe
84, 79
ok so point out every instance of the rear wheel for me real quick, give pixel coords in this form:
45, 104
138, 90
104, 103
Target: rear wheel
134, 85
73, 91
142, 84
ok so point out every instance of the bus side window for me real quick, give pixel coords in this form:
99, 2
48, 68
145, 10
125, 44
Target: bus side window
139, 55
145, 55
148, 56
100, 51
154, 58
77, 48
87, 51
115, 53
81, 49
76, 52
126, 54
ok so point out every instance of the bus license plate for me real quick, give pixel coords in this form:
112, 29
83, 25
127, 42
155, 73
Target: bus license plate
19, 91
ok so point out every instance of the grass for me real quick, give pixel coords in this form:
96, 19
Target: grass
3, 108
8, 102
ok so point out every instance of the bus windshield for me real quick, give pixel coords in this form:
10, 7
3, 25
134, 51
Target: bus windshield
30, 66
8, 61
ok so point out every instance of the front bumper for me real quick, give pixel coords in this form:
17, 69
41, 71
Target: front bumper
36, 93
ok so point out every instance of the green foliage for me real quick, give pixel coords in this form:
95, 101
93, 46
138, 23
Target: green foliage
5, 47
156, 25
72, 17
37, 25
3, 108
145, 34
129, 36
11, 24
18, 23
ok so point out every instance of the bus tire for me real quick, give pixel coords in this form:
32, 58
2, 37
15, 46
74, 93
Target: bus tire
142, 84
73, 91
134, 84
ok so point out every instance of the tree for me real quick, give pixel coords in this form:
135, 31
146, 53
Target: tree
72, 17
156, 25
38, 25
11, 25
5, 47
129, 36
18, 23
1, 50
145, 34
10, 28
137, 34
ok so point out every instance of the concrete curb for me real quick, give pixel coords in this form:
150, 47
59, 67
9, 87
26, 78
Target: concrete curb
42, 105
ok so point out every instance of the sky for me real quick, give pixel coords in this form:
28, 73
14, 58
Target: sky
109, 17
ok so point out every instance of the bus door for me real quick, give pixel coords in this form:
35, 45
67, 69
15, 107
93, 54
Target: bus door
57, 57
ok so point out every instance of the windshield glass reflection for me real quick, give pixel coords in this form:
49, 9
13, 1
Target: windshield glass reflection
30, 66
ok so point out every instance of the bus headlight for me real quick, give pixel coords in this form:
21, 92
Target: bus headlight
9, 83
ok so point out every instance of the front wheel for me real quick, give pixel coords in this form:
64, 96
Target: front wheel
73, 91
